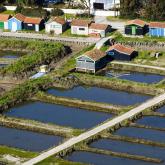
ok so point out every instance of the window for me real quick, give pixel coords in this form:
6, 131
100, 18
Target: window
89, 61
82, 29
111, 53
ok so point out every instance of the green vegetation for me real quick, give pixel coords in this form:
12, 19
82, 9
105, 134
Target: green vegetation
16, 152
119, 84
23, 92
42, 53
59, 161
150, 9
119, 37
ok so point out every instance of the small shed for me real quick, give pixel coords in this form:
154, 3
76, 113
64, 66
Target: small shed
31, 23
136, 27
80, 27
121, 52
91, 61
16, 23
4, 21
56, 25
157, 29
101, 29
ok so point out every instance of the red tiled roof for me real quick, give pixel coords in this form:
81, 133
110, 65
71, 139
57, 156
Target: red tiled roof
4, 17
95, 54
122, 49
81, 22
32, 20
98, 26
59, 20
137, 22
20, 17
157, 25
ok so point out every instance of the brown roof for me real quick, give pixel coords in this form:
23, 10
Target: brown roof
95, 54
137, 22
122, 49
32, 20
59, 20
20, 17
98, 26
157, 24
81, 22
4, 17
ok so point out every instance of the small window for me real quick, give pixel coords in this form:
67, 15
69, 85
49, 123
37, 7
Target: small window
89, 61
111, 53
80, 60
82, 29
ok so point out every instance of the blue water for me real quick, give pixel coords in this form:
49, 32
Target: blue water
57, 114
97, 159
10, 54
138, 77
147, 134
27, 140
101, 95
161, 110
130, 148
153, 121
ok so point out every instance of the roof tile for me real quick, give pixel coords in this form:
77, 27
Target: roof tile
95, 54
81, 22
98, 26
32, 20
137, 22
4, 17
122, 49
157, 25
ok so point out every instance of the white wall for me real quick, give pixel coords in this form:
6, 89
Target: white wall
56, 27
78, 11
5, 25
75, 30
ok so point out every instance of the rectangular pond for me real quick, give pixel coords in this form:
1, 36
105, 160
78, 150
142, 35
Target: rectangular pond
27, 140
130, 148
101, 95
142, 133
134, 76
98, 159
153, 121
58, 114
11, 54
161, 110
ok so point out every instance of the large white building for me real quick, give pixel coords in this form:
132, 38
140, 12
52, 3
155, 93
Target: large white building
103, 4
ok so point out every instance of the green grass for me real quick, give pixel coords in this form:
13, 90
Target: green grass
146, 38
58, 161
8, 12
16, 152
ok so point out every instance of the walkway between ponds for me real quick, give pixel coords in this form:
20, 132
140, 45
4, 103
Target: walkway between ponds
139, 65
95, 131
78, 40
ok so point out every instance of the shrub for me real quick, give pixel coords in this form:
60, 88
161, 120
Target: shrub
2, 9
57, 12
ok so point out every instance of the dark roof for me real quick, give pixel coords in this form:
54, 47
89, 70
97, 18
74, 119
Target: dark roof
4, 17
81, 22
136, 22
20, 17
95, 54
157, 25
122, 49
32, 20
98, 26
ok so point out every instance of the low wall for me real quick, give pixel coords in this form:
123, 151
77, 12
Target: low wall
78, 11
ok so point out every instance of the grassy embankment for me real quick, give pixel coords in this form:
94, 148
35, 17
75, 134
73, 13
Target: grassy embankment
41, 53
25, 155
